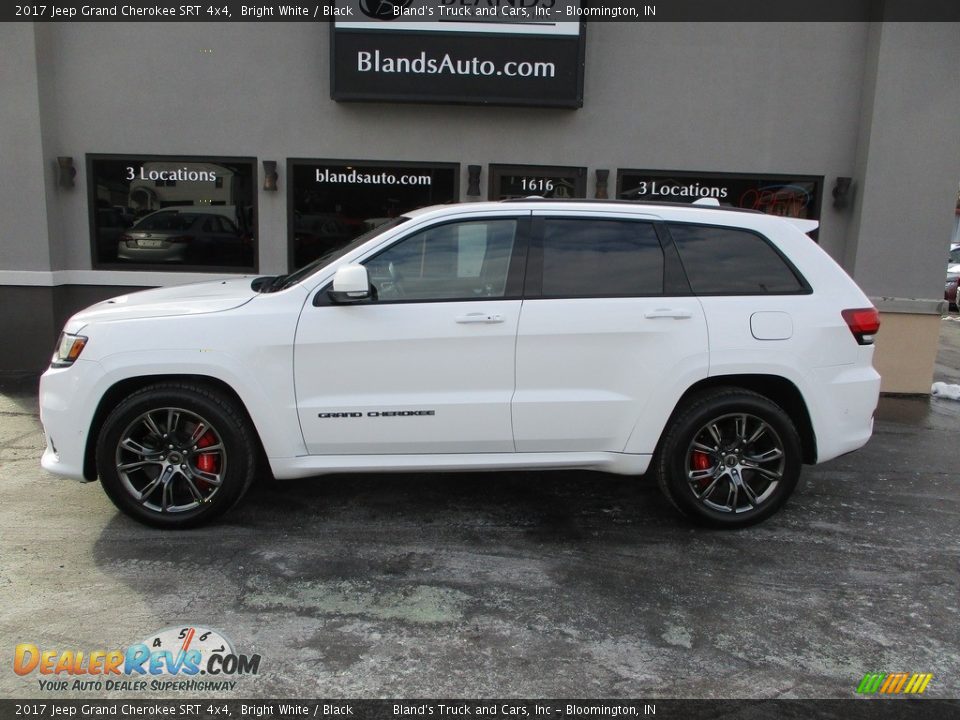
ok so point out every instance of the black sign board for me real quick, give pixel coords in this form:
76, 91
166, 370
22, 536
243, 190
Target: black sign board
456, 59
796, 196
549, 181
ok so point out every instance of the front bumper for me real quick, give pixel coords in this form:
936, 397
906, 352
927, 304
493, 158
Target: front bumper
67, 405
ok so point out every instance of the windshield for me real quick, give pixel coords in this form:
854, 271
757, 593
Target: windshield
955, 255
285, 281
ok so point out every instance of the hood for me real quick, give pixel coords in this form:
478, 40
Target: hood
193, 299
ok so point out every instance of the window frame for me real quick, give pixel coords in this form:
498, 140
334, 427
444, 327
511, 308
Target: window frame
91, 158
805, 287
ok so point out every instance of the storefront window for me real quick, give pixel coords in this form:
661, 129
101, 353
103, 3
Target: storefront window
789, 195
174, 213
334, 201
549, 181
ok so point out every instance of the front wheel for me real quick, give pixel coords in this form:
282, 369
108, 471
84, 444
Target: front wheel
176, 455
729, 458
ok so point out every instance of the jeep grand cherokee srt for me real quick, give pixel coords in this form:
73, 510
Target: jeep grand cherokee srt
718, 350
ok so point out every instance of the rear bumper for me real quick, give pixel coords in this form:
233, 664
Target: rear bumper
846, 409
176, 252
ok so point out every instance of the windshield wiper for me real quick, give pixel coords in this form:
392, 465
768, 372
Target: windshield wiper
279, 283
265, 283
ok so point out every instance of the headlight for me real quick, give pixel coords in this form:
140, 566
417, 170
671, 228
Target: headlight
68, 349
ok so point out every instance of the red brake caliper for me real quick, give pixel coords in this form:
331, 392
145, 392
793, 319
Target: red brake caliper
208, 462
701, 461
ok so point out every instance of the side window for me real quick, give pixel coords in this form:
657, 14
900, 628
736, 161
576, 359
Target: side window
728, 261
600, 258
456, 261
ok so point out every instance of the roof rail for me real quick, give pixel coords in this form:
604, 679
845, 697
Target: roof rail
620, 201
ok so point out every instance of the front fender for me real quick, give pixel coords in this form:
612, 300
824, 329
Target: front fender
267, 396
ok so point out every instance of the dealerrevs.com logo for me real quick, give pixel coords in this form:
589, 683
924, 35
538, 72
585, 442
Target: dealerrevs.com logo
173, 659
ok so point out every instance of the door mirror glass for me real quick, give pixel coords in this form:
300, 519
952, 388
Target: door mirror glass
350, 284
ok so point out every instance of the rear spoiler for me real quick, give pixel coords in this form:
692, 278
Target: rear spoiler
805, 226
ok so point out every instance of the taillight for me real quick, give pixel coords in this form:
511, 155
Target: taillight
863, 323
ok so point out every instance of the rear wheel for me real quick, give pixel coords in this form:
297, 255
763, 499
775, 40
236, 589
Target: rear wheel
176, 454
730, 458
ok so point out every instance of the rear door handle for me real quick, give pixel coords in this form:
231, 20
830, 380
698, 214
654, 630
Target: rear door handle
669, 313
486, 318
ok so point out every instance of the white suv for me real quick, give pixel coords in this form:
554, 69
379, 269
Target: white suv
719, 349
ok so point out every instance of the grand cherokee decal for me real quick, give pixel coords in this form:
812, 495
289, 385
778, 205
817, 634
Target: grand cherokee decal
377, 413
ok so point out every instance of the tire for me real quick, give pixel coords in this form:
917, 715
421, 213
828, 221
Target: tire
729, 458
176, 455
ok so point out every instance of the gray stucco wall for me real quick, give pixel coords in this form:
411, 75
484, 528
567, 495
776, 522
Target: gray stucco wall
23, 210
755, 97
909, 160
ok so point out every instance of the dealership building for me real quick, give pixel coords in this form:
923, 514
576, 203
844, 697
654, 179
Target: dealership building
276, 142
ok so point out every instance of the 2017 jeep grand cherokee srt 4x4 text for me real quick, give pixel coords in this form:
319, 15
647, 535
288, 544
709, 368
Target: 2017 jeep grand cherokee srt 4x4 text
716, 349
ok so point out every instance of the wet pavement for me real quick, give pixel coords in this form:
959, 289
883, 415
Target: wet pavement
561, 584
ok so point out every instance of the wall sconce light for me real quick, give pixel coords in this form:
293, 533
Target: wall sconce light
66, 171
270, 176
842, 191
473, 180
602, 177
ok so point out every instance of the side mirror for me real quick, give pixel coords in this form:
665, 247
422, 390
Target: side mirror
350, 284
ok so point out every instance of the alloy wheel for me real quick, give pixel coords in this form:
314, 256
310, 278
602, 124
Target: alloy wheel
171, 460
735, 463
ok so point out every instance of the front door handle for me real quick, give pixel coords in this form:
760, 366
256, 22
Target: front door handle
486, 318
669, 313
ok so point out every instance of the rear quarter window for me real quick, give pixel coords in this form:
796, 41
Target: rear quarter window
731, 261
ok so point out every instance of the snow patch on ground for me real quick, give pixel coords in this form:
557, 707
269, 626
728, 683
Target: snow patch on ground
945, 390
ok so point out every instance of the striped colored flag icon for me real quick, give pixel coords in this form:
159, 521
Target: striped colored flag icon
894, 683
